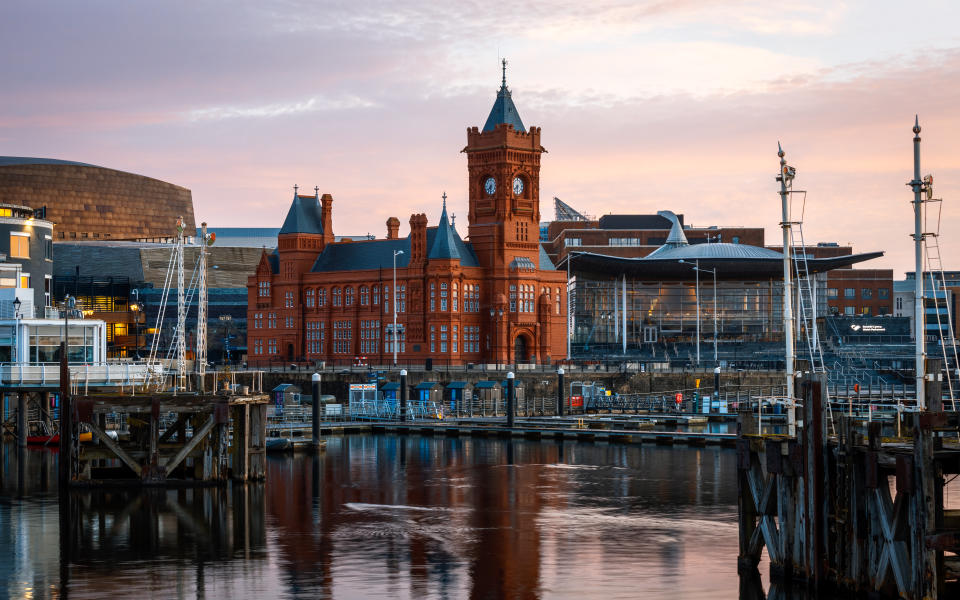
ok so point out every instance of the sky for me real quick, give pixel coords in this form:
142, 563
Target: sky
645, 105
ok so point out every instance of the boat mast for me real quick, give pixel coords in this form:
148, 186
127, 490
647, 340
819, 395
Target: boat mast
919, 329
786, 181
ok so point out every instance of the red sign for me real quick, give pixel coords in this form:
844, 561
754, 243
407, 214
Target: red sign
679, 398
576, 401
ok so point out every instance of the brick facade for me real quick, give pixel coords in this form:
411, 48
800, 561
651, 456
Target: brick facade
493, 299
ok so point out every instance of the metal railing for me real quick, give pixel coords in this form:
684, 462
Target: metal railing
81, 375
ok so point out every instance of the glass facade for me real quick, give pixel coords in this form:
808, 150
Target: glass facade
664, 314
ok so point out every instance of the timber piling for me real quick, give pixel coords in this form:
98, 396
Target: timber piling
848, 512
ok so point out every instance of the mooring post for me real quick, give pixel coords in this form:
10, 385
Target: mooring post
315, 380
560, 392
933, 389
22, 420
510, 399
403, 394
814, 427
66, 423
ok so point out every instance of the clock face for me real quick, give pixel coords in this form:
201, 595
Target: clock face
517, 186
490, 186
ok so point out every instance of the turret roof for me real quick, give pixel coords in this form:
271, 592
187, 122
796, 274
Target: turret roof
304, 215
504, 111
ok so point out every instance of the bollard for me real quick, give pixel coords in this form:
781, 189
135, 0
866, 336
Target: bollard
560, 392
403, 394
510, 399
315, 380
716, 388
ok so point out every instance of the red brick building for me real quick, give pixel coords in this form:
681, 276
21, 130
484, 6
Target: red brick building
495, 298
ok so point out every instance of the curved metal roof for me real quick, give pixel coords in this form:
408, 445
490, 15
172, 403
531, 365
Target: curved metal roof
714, 251
6, 161
738, 262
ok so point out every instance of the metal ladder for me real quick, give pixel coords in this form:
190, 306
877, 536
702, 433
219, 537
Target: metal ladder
935, 271
807, 303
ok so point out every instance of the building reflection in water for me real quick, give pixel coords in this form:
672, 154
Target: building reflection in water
392, 516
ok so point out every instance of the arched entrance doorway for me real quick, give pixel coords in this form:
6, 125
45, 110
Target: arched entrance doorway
521, 353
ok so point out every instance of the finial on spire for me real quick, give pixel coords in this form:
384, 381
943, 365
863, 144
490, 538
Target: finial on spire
316, 190
916, 124
444, 200
780, 151
453, 219
295, 188
504, 84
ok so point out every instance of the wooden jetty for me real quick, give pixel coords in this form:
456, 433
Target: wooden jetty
852, 512
152, 455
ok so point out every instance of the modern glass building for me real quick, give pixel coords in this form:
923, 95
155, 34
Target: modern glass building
657, 307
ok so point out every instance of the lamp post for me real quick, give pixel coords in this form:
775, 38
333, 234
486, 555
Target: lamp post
696, 267
396, 299
16, 337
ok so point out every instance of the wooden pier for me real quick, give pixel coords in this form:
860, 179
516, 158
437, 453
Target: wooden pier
848, 510
152, 454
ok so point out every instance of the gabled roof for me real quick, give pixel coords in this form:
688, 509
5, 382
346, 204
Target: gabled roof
486, 385
503, 110
427, 385
274, 260
304, 216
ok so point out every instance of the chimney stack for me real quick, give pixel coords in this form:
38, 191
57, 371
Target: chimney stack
393, 228
326, 217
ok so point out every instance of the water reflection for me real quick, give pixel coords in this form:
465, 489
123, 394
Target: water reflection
390, 516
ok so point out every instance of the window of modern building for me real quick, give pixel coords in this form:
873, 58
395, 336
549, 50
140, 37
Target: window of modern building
850, 311
899, 303
19, 245
866, 293
572, 242
833, 293
624, 241
849, 293
865, 310
883, 293
884, 309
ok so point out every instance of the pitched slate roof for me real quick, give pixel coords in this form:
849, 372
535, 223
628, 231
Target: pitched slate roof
503, 110
443, 241
304, 216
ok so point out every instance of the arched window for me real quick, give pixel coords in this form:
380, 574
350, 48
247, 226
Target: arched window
336, 296
443, 296
321, 297
376, 295
348, 296
364, 295
456, 296
308, 297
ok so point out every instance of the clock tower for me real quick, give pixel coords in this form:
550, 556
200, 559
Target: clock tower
503, 163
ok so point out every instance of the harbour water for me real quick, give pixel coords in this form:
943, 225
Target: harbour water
382, 516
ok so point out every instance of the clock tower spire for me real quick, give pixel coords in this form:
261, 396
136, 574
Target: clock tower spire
503, 164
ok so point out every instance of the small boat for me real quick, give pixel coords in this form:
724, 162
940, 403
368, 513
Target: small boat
46, 439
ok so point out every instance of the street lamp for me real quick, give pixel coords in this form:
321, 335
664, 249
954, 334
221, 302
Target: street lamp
696, 267
396, 299
16, 316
